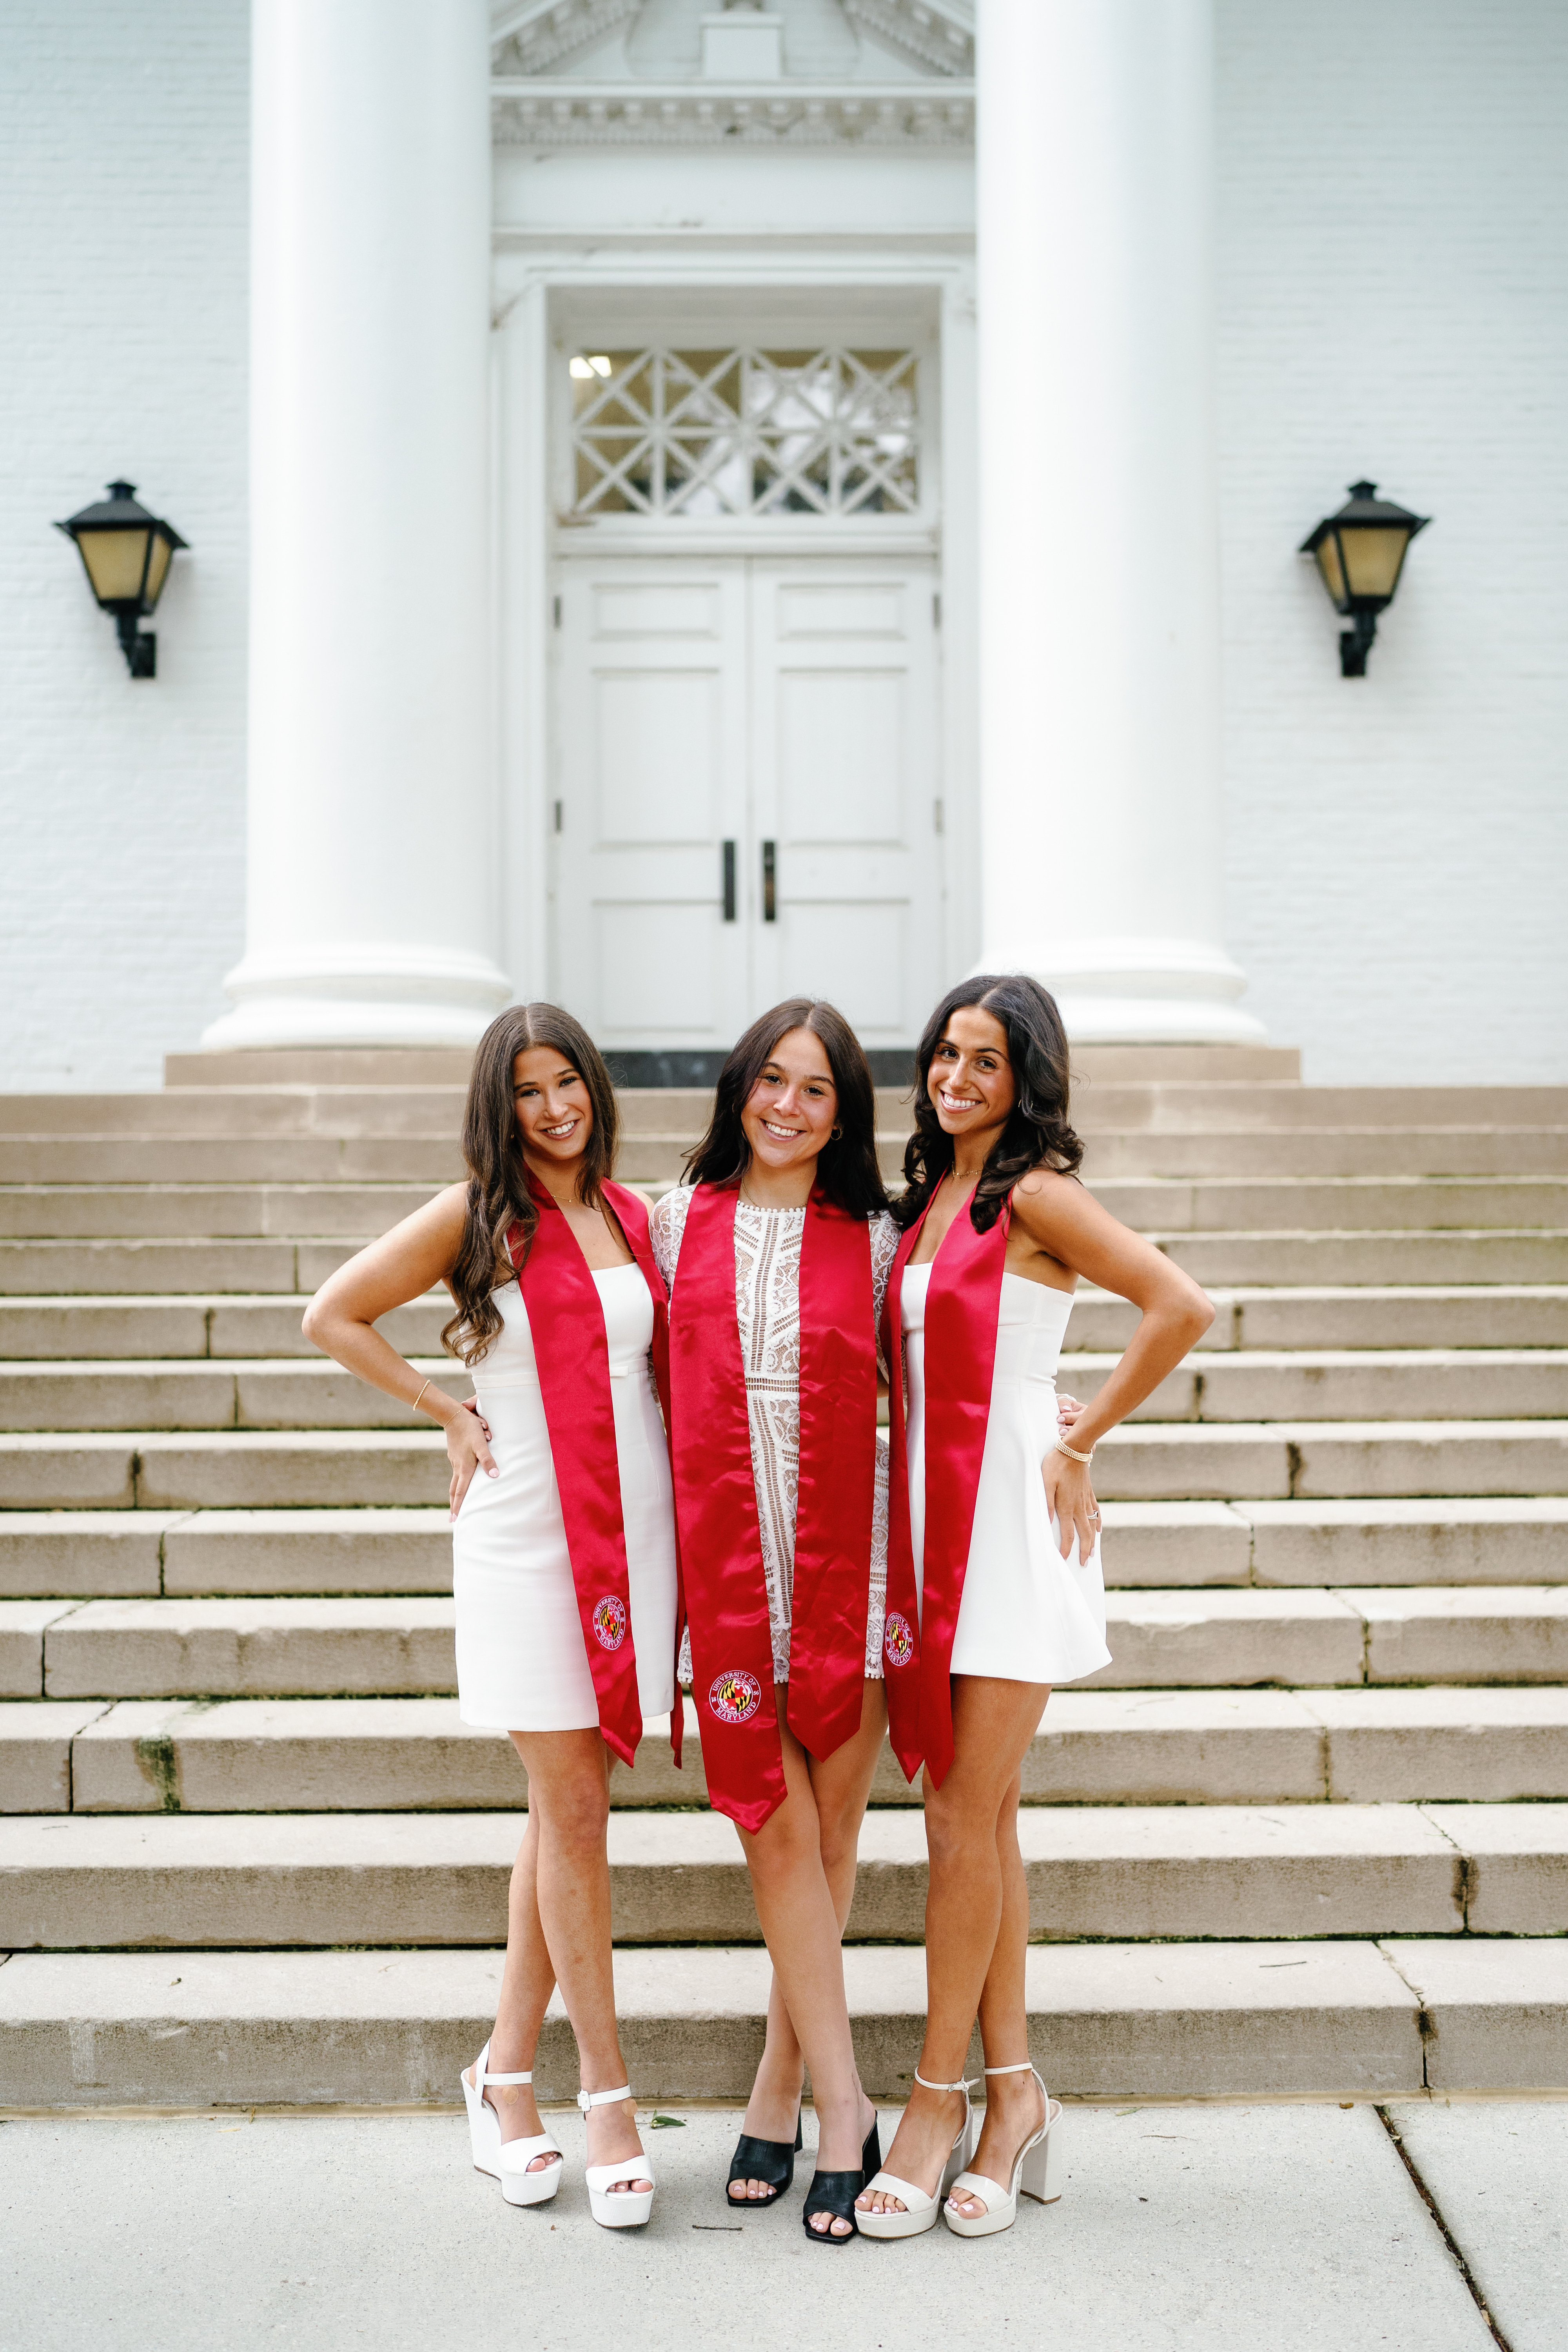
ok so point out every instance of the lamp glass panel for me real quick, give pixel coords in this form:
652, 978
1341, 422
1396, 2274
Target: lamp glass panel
157, 569
1328, 555
1372, 558
115, 562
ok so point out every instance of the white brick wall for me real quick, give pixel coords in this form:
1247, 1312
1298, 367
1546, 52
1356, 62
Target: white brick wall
1393, 253
123, 319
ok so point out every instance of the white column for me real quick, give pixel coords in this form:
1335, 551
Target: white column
1098, 594
371, 913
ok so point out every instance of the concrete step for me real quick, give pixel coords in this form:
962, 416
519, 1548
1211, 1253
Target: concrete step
1211, 1204
1291, 1151
175, 1329
313, 1393
1385, 1316
1214, 1109
1315, 2019
1316, 1260
311, 1644
1514, 1315
1121, 1873
1285, 1384
161, 1470
216, 1211
1093, 1747
1427, 1540
333, 1112
239, 1159
122, 1269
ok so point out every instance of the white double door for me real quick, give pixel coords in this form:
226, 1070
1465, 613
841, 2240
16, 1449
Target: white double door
747, 795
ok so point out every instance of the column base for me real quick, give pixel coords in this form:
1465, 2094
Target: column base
1136, 991
360, 996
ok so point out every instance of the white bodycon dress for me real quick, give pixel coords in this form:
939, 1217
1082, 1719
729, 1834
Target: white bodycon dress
1028, 1615
522, 1665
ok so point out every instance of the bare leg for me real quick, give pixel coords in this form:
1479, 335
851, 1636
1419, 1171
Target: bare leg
527, 1982
568, 1813
967, 1905
840, 1783
795, 1907
1011, 2100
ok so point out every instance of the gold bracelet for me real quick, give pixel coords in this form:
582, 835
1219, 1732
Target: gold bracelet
1071, 1452
414, 1406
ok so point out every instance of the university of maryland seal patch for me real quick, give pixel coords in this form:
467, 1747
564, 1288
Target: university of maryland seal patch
609, 1621
735, 1696
898, 1642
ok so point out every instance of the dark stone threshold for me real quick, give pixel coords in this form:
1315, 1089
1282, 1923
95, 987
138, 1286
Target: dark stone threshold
891, 1065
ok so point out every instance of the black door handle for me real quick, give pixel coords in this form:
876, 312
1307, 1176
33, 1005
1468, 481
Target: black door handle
770, 876
729, 881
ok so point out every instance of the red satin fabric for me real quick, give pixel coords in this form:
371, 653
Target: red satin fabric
566, 1320
716, 1503
963, 1301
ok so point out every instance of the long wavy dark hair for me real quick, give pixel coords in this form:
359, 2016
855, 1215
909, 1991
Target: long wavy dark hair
497, 1196
1038, 1133
847, 1167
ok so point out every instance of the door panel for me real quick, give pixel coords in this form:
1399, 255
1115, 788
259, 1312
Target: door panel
650, 768
790, 702
844, 782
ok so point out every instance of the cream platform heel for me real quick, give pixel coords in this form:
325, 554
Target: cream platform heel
1037, 2173
920, 2210
630, 2208
509, 2160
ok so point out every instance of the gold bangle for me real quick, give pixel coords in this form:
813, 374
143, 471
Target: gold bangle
1071, 1452
414, 1406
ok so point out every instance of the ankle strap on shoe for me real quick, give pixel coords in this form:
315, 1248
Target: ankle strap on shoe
943, 2086
586, 2099
1027, 2067
483, 2078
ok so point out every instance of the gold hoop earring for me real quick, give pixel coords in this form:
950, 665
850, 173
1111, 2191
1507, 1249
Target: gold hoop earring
835, 1134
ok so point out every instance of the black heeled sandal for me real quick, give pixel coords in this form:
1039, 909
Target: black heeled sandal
835, 2193
769, 2160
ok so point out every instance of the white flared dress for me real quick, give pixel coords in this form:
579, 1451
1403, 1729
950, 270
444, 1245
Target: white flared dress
1026, 1615
522, 1665
767, 1313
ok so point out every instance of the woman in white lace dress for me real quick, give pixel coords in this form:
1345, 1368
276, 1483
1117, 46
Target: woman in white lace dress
785, 1204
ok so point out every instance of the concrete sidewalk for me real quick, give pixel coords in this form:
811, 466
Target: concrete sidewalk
1231, 2229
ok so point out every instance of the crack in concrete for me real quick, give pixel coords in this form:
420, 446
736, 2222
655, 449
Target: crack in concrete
1456, 2251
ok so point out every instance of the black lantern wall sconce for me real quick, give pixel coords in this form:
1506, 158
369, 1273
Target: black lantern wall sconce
126, 553
1361, 554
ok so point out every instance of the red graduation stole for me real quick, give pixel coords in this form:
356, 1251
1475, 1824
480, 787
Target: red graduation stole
566, 1317
962, 1304
716, 1502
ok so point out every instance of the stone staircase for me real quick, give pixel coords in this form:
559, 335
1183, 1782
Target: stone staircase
1309, 1833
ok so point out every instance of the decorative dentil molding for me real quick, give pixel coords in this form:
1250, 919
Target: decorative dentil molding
653, 114
538, 34
939, 33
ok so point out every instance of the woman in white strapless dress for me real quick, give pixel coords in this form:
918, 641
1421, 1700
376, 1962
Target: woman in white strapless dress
997, 1560
564, 1644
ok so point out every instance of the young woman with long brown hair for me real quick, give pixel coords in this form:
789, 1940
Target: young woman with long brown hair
776, 1251
987, 1607
564, 1539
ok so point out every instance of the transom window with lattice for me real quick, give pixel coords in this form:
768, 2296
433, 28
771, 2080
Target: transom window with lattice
744, 432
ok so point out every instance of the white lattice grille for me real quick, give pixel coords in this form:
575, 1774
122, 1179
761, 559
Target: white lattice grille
744, 432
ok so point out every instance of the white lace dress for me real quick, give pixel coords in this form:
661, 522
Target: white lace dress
767, 1310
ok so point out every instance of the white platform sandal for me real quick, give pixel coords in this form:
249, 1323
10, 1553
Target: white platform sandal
508, 2161
920, 2210
1037, 2172
626, 2208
